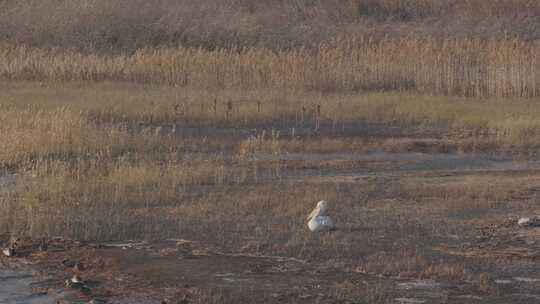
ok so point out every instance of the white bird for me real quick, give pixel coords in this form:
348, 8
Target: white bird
74, 282
524, 221
318, 221
9, 252
529, 221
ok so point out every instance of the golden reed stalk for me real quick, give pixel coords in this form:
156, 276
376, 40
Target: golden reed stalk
463, 67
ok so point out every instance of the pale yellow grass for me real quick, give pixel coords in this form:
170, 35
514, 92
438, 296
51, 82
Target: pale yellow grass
78, 116
466, 67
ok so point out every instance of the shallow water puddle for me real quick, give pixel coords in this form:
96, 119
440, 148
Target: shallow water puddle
231, 278
526, 297
409, 300
419, 291
24, 287
420, 284
526, 280
8, 183
469, 297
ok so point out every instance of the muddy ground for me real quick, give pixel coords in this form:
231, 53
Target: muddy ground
502, 258
179, 271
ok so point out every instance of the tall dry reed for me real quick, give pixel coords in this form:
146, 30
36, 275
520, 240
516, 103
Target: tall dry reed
452, 67
128, 25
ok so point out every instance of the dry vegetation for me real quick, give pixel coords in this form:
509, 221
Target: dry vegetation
289, 119
136, 120
323, 45
127, 25
466, 67
123, 161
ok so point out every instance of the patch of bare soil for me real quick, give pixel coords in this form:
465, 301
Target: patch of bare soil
175, 270
503, 240
182, 271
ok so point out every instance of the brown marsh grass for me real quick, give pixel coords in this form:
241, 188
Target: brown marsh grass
78, 116
132, 181
132, 121
472, 67
128, 25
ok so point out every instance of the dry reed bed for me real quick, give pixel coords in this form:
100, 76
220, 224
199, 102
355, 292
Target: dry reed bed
89, 175
112, 119
466, 67
84, 178
31, 135
111, 199
127, 25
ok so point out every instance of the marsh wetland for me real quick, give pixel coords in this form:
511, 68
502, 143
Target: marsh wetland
215, 213
170, 152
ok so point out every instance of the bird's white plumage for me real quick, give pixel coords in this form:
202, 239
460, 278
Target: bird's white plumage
524, 221
8, 252
321, 223
318, 221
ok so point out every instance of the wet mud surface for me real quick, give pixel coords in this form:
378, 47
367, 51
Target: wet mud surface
24, 286
174, 277
141, 272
